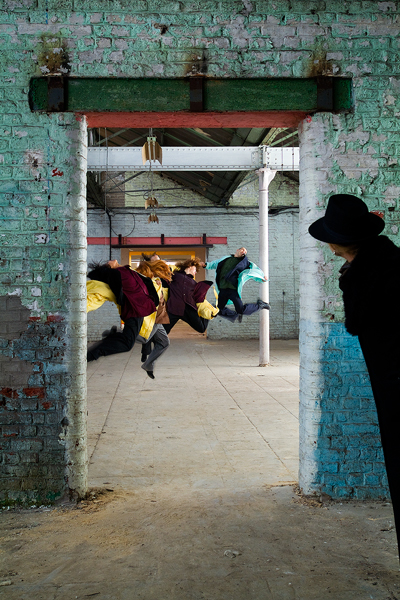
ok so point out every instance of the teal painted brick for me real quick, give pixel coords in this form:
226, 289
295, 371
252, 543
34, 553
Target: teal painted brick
112, 6
379, 467
360, 429
375, 452
5, 172
10, 225
332, 455
334, 479
355, 479
324, 443
271, 7
331, 468
349, 466
366, 442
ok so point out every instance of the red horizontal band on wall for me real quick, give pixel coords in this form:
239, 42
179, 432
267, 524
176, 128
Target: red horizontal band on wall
156, 241
185, 119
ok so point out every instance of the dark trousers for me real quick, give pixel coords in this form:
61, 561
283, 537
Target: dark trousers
241, 309
190, 317
160, 341
120, 341
385, 382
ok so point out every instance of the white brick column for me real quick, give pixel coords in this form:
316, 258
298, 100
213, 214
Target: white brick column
76, 430
315, 163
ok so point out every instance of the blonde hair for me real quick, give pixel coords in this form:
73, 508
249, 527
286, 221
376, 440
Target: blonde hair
154, 268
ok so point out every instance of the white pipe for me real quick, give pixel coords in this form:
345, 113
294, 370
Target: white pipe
265, 176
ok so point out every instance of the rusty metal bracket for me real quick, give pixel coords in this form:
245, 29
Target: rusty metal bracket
325, 93
56, 94
196, 94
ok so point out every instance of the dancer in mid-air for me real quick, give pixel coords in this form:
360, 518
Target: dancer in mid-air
136, 293
187, 298
232, 272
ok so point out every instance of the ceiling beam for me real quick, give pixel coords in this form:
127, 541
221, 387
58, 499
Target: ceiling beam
195, 158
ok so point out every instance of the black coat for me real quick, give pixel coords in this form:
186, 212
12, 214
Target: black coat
371, 292
371, 296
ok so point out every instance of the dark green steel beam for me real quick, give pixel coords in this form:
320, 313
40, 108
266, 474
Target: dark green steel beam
173, 95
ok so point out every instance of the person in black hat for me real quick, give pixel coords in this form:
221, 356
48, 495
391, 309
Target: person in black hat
370, 282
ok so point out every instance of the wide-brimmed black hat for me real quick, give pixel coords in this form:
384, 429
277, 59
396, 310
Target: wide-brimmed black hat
346, 221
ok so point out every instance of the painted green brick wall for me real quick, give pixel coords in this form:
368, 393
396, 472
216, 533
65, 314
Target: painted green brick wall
42, 199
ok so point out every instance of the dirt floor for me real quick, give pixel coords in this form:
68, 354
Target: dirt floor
264, 544
194, 493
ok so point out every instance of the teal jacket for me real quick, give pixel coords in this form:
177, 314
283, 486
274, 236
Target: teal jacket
250, 271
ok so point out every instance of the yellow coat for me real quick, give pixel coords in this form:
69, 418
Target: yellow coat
99, 292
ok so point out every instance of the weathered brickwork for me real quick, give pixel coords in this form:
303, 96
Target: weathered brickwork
42, 178
43, 255
340, 426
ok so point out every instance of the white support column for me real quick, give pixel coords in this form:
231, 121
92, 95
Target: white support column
265, 177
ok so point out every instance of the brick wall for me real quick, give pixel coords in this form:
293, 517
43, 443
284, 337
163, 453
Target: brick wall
43, 258
339, 436
41, 187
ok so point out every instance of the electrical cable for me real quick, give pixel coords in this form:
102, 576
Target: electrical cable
131, 231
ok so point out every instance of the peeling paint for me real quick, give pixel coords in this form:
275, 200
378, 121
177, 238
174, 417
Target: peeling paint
52, 55
41, 238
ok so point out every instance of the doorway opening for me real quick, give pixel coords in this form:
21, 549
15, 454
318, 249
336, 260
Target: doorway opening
213, 377
170, 256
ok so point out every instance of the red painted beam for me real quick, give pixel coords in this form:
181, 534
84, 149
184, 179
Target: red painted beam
156, 241
185, 119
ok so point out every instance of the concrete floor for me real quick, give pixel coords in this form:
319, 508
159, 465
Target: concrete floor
193, 493
211, 419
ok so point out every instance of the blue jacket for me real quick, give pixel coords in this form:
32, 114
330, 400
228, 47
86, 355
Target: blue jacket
238, 276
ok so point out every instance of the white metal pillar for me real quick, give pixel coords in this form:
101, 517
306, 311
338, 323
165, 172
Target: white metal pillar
265, 176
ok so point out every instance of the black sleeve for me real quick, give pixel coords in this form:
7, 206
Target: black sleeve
111, 277
150, 288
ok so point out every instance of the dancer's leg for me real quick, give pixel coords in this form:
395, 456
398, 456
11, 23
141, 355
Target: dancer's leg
146, 350
192, 318
161, 342
225, 312
242, 309
173, 319
118, 341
